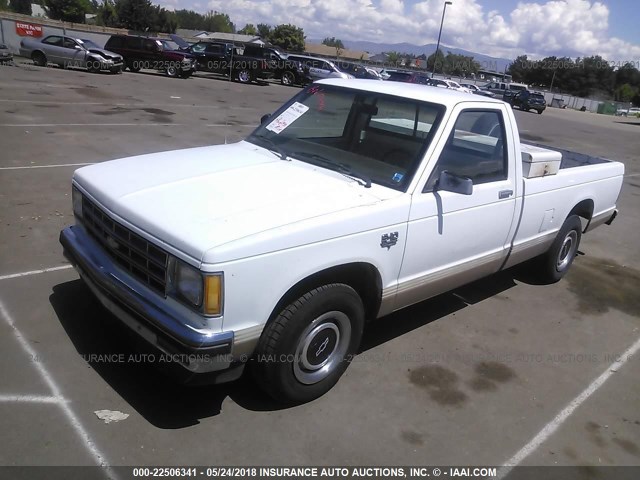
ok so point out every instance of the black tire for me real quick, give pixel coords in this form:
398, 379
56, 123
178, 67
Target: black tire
540, 112
39, 59
133, 68
244, 75
305, 350
172, 71
288, 78
554, 264
184, 74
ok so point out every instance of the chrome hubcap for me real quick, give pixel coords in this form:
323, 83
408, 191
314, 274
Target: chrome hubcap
244, 76
322, 347
567, 250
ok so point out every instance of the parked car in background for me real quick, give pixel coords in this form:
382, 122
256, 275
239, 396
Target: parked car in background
5, 54
319, 68
289, 72
477, 90
358, 71
69, 52
526, 100
230, 59
152, 54
456, 86
408, 77
506, 89
630, 112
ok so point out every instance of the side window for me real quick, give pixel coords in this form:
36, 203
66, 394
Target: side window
150, 45
53, 40
476, 149
134, 43
68, 43
217, 49
116, 42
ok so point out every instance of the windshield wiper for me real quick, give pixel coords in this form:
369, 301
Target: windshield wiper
339, 167
273, 146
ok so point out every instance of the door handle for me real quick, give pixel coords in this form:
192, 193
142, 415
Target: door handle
505, 193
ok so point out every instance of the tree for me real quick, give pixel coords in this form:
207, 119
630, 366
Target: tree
393, 58
333, 42
439, 62
4, 5
288, 37
67, 10
249, 29
189, 19
264, 31
137, 15
106, 14
624, 93
20, 6
218, 22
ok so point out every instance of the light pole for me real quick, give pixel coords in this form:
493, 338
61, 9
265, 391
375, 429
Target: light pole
435, 58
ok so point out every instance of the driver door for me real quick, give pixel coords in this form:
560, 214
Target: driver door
453, 238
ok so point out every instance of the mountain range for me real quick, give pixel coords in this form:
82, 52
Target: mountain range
486, 62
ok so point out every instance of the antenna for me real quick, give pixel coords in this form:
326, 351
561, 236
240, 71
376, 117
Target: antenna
226, 115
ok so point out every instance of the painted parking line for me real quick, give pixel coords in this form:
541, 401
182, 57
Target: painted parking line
31, 399
35, 272
47, 166
127, 105
36, 125
551, 427
72, 418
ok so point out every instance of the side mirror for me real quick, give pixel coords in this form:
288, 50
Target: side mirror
448, 182
264, 118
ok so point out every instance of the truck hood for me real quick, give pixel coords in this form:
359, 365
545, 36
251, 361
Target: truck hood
197, 199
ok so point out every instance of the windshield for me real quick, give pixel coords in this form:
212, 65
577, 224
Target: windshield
88, 44
368, 135
169, 45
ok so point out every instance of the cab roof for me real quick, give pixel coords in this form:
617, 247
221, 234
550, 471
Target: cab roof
426, 93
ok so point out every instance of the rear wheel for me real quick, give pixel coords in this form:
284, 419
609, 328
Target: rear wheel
303, 352
540, 112
554, 264
133, 67
39, 59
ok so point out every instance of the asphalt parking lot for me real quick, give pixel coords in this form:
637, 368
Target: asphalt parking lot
502, 371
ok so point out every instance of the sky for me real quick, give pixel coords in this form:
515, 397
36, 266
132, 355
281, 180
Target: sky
504, 28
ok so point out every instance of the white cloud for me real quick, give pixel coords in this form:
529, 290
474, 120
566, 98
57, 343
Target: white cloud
560, 27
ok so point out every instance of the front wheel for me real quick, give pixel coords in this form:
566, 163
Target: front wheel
303, 352
243, 75
554, 264
173, 71
288, 78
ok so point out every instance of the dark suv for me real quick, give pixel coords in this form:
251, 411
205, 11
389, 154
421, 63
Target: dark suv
289, 72
408, 77
232, 59
526, 100
152, 53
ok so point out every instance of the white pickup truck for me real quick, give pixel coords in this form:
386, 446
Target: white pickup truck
354, 200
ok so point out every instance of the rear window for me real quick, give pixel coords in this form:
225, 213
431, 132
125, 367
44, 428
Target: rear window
115, 42
538, 96
399, 76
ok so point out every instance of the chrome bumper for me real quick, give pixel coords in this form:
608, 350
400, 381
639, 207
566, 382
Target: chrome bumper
137, 307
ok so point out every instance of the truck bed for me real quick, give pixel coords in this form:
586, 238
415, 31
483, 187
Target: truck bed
571, 159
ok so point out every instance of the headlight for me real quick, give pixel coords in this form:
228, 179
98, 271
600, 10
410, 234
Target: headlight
203, 292
76, 198
186, 283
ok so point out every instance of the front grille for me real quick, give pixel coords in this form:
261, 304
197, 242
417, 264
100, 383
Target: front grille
140, 257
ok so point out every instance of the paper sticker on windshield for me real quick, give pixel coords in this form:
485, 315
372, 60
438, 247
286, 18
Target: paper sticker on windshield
397, 177
286, 118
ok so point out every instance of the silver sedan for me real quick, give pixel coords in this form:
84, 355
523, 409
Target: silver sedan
69, 52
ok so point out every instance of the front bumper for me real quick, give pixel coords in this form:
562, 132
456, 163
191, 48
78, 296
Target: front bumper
146, 313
